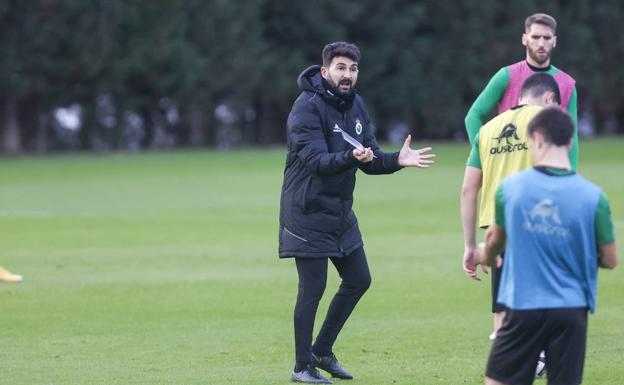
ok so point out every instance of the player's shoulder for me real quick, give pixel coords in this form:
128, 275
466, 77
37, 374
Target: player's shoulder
520, 116
590, 191
493, 127
305, 99
530, 111
503, 116
559, 72
516, 64
306, 109
512, 115
589, 184
501, 77
494, 123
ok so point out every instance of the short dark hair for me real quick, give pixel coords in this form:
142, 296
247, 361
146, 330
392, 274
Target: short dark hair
555, 124
541, 18
340, 48
540, 83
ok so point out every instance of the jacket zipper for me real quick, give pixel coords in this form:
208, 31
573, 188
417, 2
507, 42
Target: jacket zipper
294, 235
342, 216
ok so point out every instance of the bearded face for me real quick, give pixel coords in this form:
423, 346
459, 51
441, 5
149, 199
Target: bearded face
539, 41
342, 74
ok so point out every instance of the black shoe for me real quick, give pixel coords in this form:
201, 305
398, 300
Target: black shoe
309, 375
331, 365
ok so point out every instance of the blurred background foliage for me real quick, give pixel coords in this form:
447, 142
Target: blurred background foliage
109, 75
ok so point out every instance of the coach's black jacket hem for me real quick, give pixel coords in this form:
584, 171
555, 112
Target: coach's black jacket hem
320, 254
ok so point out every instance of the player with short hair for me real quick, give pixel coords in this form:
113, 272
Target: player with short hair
504, 87
499, 150
556, 229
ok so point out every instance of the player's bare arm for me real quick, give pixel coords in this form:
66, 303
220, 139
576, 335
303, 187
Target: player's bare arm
608, 256
494, 244
470, 191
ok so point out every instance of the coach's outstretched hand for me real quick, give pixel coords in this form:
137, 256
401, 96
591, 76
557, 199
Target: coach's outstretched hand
414, 158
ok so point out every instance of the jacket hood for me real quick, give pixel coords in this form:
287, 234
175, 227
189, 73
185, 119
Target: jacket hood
310, 80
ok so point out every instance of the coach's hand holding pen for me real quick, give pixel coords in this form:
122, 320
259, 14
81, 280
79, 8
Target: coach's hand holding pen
365, 155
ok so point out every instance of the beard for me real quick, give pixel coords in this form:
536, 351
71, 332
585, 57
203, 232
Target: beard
344, 87
539, 57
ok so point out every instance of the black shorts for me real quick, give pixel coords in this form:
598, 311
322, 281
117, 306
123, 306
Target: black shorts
497, 273
561, 333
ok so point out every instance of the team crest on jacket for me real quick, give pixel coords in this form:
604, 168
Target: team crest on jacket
358, 127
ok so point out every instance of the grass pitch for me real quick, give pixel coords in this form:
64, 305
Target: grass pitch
163, 269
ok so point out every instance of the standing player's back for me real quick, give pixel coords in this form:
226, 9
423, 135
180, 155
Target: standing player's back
503, 150
551, 260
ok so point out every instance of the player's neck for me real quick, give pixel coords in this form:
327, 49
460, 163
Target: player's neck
556, 157
535, 65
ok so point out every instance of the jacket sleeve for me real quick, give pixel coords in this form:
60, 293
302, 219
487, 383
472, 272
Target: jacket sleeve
305, 134
384, 163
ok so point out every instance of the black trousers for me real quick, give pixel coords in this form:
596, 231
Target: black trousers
355, 275
560, 332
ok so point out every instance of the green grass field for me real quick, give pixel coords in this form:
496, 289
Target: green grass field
163, 269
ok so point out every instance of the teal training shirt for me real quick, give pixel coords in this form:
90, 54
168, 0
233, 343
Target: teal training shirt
551, 257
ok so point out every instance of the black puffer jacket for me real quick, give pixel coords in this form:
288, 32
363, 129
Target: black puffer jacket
316, 216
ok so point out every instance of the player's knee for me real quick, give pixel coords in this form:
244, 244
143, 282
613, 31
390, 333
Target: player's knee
365, 284
359, 285
312, 291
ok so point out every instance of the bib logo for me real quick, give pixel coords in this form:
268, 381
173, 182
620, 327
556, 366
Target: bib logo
544, 219
508, 132
358, 127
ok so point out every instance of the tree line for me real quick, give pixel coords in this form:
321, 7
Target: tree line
131, 74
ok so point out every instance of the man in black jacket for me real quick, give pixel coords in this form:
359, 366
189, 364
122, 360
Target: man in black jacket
317, 222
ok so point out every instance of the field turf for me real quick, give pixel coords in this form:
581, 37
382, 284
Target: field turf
162, 269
